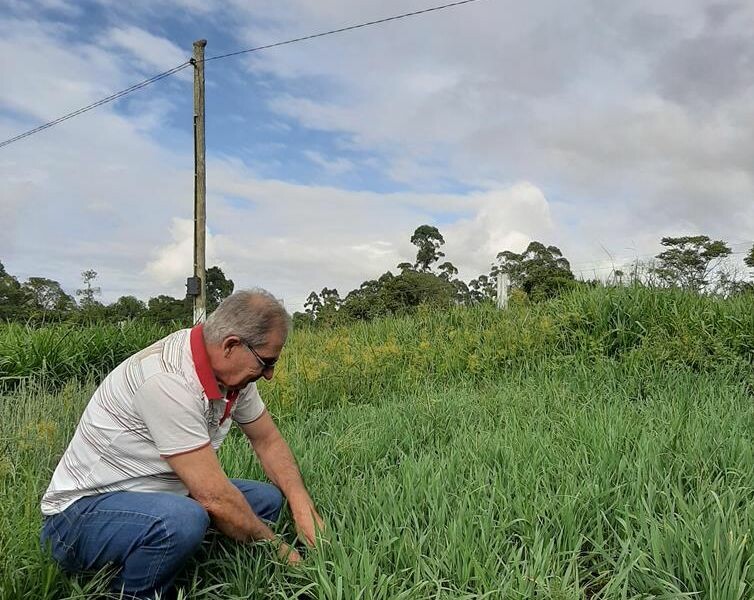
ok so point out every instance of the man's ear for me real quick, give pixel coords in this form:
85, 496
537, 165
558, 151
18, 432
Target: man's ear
229, 343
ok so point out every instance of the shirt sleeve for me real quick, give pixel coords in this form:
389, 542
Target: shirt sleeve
173, 414
249, 406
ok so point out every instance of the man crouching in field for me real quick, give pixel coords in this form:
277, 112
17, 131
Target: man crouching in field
140, 482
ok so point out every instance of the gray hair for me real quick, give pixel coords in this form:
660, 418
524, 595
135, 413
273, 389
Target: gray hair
249, 314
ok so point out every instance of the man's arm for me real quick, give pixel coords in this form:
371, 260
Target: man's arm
202, 474
279, 465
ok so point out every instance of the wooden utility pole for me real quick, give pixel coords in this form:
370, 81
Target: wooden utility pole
200, 186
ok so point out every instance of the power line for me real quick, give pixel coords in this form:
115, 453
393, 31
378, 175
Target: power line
341, 30
111, 98
182, 66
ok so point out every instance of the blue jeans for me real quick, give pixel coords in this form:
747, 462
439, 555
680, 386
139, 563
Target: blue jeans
149, 535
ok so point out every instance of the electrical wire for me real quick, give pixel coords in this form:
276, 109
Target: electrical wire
341, 30
111, 98
192, 62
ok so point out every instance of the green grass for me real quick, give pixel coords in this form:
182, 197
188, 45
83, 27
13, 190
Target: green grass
54, 354
552, 485
644, 327
599, 446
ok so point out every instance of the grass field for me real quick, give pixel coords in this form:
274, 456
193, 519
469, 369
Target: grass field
599, 446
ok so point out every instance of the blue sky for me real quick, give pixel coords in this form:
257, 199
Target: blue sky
597, 127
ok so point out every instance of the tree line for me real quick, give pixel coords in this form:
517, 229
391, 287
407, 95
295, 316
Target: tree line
39, 299
693, 263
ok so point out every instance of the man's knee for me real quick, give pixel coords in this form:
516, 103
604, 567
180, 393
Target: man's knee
274, 503
186, 522
265, 499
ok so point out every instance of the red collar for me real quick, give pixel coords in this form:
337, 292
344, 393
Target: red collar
202, 366
205, 374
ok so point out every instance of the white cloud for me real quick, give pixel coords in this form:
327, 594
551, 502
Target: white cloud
496, 90
174, 261
503, 219
337, 166
44, 79
33, 7
153, 52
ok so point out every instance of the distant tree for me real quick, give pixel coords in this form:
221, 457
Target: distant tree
749, 258
126, 308
397, 294
447, 271
166, 309
15, 301
540, 271
728, 283
689, 261
481, 289
367, 302
328, 311
48, 297
390, 294
313, 305
301, 319
428, 241
414, 288
218, 287
88, 292
462, 291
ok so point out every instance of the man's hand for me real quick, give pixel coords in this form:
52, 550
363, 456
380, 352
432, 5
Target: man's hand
308, 522
288, 554
279, 465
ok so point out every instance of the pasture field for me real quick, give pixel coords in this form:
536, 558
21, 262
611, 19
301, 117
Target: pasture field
596, 446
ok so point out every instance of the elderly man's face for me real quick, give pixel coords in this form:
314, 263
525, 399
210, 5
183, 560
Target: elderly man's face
249, 363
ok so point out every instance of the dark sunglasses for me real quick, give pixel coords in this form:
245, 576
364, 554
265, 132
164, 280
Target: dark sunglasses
267, 365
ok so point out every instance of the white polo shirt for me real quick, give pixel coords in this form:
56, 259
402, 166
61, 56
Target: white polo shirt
162, 401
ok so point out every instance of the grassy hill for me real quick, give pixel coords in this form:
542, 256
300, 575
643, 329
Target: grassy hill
595, 446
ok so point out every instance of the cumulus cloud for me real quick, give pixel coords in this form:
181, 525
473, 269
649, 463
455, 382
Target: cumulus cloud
173, 261
503, 219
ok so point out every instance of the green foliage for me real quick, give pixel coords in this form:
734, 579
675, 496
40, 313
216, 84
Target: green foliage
540, 271
126, 308
397, 294
88, 292
48, 297
690, 260
330, 304
218, 287
642, 326
166, 309
428, 240
447, 271
481, 289
16, 303
56, 353
416, 285
43, 300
